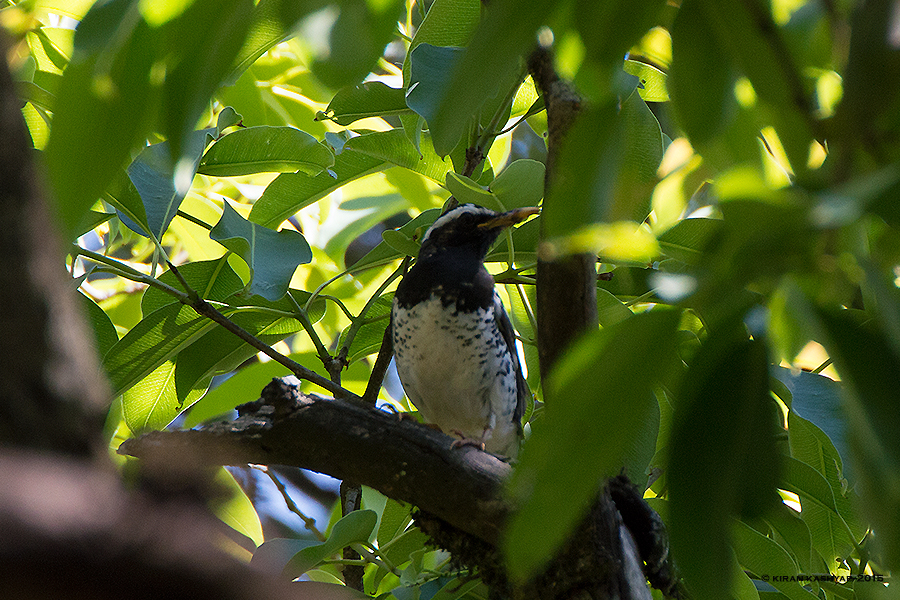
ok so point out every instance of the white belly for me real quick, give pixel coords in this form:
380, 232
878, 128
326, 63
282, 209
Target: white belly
459, 380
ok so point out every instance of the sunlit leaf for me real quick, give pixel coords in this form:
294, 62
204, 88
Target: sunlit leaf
237, 510
266, 149
394, 147
370, 99
157, 338
356, 527
289, 192
271, 22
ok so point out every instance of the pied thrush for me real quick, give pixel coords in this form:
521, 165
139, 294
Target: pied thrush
453, 342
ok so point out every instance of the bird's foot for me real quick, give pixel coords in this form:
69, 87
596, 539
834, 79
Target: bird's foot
467, 441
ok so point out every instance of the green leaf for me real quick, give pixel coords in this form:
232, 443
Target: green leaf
266, 149
504, 35
220, 351
353, 528
448, 23
273, 554
75, 9
525, 244
642, 151
429, 67
228, 117
393, 146
401, 241
289, 192
369, 337
154, 401
467, 191
405, 544
586, 168
91, 220
575, 450
124, 197
863, 115
395, 518
51, 48
153, 177
35, 94
272, 256
809, 484
520, 184
237, 511
868, 360
211, 279
700, 77
609, 29
350, 48
107, 84
105, 335
795, 534
609, 159
610, 310
155, 339
828, 531
748, 33
203, 42
653, 81
370, 99
763, 556
818, 400
723, 460
688, 238
272, 22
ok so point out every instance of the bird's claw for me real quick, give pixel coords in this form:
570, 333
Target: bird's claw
467, 441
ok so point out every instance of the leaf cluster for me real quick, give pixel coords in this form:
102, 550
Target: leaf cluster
734, 168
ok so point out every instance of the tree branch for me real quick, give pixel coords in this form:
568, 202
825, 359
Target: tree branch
458, 491
349, 440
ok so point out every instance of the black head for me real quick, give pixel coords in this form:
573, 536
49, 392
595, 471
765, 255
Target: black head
470, 229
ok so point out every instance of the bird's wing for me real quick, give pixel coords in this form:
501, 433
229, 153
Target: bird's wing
506, 330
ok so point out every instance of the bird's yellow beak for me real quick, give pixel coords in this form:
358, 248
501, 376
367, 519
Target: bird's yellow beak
509, 218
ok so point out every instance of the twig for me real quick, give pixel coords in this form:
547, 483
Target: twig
384, 355
380, 367
204, 308
308, 522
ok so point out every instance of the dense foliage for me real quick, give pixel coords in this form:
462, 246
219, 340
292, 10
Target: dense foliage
736, 174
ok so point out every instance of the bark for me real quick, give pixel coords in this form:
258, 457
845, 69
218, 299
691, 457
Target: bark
51, 394
458, 491
567, 286
350, 441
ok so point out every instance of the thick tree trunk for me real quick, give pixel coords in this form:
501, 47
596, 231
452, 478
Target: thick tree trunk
70, 529
567, 286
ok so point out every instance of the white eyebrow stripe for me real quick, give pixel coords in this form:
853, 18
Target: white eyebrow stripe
454, 214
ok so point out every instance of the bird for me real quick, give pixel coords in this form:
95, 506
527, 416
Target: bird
454, 345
